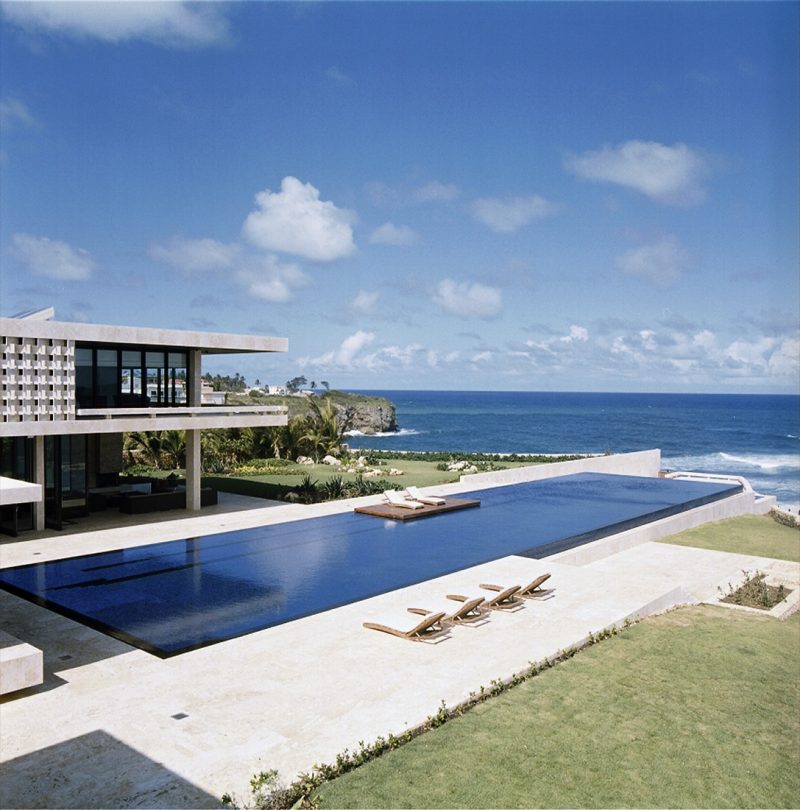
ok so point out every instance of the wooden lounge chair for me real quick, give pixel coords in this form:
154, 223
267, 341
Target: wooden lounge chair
468, 611
504, 600
532, 590
414, 632
396, 498
432, 500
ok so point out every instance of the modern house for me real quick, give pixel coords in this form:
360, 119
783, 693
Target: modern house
70, 391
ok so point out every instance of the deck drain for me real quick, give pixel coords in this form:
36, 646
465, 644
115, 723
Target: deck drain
64, 657
179, 716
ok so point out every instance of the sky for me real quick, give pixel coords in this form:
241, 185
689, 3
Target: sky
477, 196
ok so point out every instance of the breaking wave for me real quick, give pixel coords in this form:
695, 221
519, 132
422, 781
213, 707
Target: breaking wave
401, 432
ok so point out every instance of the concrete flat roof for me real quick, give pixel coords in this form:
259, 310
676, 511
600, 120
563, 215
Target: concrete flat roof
207, 342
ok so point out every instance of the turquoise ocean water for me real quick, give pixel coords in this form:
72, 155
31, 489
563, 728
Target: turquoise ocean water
757, 436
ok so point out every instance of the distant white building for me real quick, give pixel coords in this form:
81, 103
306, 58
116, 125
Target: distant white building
70, 390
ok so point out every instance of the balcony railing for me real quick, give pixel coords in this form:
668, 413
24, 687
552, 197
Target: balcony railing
200, 412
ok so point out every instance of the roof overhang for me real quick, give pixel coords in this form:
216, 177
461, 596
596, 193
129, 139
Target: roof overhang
206, 342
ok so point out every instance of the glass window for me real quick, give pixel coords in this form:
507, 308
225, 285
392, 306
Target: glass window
84, 382
177, 393
131, 379
156, 378
107, 378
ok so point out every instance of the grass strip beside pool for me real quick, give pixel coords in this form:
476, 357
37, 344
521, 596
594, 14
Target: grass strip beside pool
760, 536
699, 707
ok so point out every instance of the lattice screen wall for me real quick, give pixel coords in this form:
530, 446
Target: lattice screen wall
38, 379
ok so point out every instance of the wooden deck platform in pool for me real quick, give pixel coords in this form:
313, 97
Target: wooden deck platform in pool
385, 510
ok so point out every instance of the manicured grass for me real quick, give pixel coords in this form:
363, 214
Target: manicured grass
695, 708
748, 534
415, 473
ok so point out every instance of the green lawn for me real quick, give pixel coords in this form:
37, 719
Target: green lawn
699, 707
748, 534
415, 473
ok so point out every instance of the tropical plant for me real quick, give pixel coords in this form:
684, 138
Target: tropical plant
325, 427
162, 449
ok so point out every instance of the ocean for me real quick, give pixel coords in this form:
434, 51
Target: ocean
757, 436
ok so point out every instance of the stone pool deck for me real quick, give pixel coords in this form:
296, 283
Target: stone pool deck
113, 726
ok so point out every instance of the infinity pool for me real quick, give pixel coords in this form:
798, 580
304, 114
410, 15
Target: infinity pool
169, 598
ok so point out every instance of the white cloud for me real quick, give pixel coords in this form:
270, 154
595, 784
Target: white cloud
662, 262
170, 23
262, 276
13, 113
270, 280
295, 220
469, 300
195, 255
667, 174
509, 214
345, 356
436, 192
390, 234
365, 302
52, 259
482, 357
337, 75
577, 334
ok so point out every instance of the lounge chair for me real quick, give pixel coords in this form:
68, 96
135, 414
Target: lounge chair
468, 611
432, 500
532, 590
504, 600
413, 632
396, 498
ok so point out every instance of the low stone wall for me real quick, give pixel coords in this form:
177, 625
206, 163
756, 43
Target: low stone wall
645, 463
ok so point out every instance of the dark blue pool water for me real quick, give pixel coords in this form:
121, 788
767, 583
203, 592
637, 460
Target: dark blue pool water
172, 597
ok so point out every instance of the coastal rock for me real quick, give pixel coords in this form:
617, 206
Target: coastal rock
304, 460
332, 461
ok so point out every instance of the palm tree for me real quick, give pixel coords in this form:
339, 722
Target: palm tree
162, 449
325, 427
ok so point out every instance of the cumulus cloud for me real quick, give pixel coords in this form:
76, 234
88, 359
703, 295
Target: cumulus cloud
295, 220
468, 300
509, 214
271, 280
345, 356
672, 175
168, 24
662, 356
390, 234
662, 262
262, 276
52, 259
365, 302
14, 113
195, 255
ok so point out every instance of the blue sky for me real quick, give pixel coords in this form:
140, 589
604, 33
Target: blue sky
521, 196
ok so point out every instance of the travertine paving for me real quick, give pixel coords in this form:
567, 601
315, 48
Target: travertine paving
113, 726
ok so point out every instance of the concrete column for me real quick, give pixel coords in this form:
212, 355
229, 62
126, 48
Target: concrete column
193, 471
195, 382
38, 478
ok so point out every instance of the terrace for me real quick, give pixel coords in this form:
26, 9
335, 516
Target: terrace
113, 725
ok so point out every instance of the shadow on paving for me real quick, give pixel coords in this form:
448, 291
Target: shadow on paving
95, 770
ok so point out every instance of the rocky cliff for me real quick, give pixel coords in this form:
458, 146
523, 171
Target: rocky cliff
369, 414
